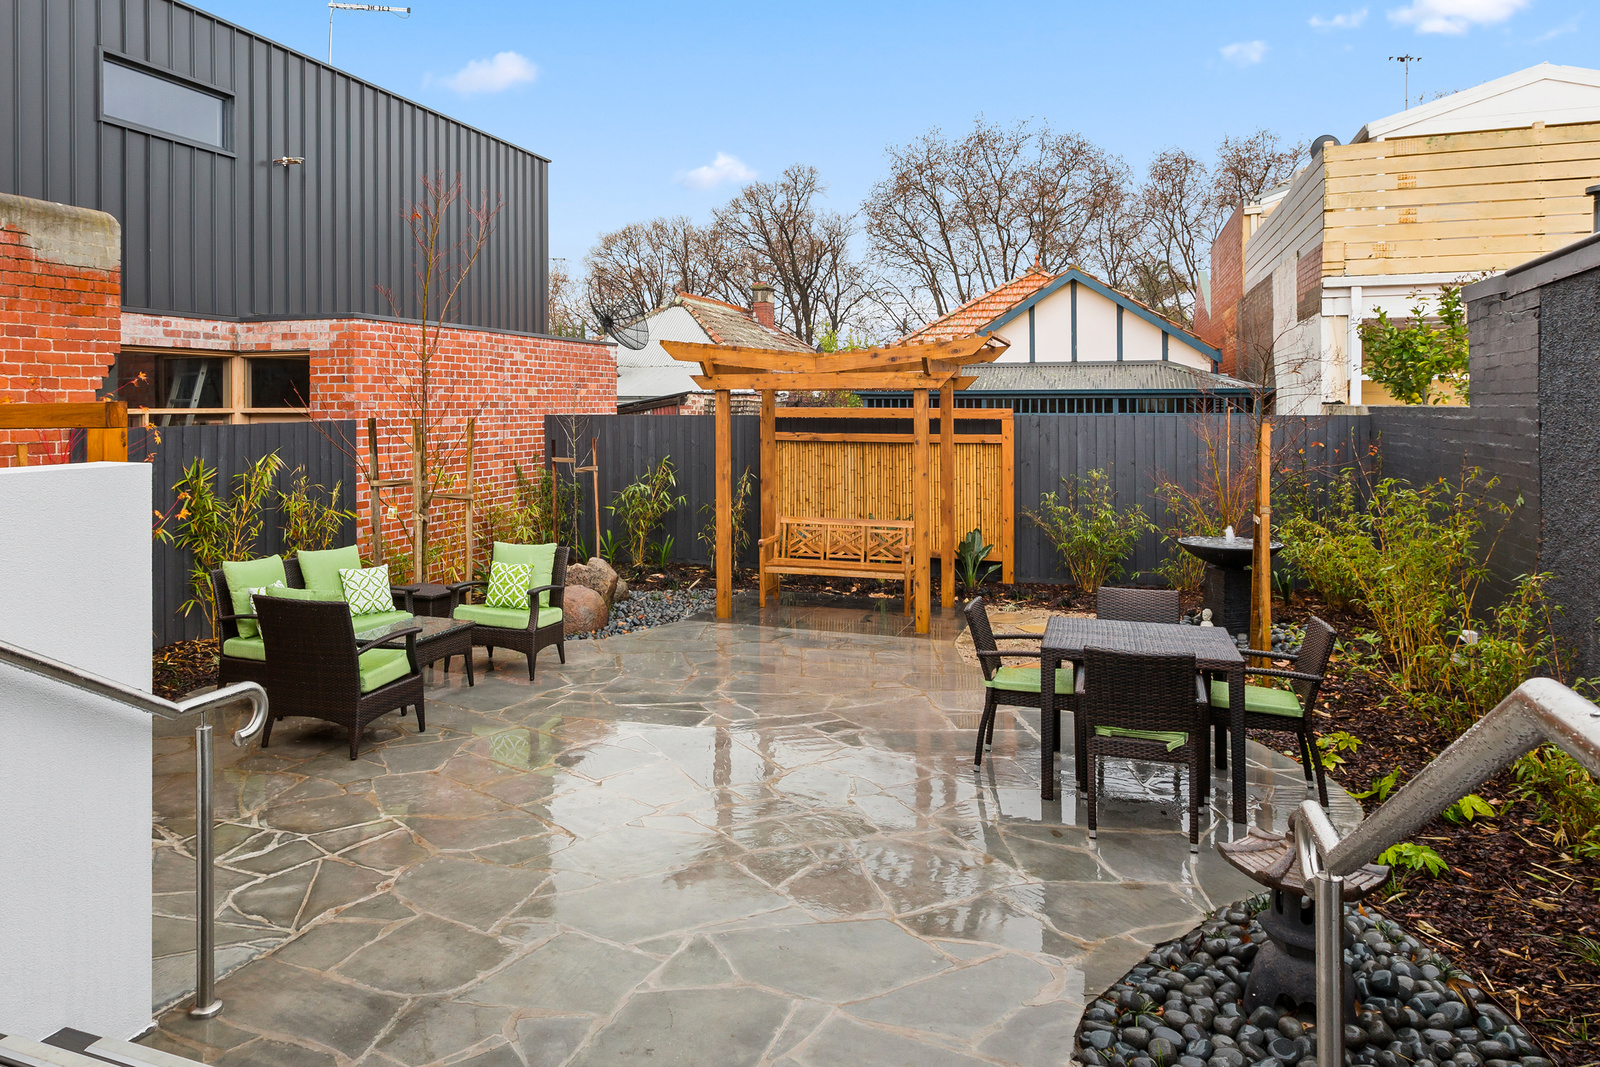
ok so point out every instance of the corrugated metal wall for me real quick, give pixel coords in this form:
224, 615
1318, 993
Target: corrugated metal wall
326, 451
228, 233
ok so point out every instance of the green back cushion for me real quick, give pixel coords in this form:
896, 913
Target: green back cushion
246, 575
321, 569
542, 558
284, 592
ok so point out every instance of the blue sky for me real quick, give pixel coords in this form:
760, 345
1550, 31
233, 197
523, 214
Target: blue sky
635, 103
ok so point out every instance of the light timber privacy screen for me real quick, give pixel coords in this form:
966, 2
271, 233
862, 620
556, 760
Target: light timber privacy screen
836, 473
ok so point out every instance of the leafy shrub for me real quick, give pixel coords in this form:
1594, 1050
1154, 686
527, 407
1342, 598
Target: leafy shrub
1406, 857
740, 515
308, 522
641, 507
1408, 359
214, 529
1089, 534
1564, 795
1334, 743
970, 565
1468, 808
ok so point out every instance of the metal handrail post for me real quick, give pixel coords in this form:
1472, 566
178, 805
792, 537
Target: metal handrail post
206, 1003
1313, 836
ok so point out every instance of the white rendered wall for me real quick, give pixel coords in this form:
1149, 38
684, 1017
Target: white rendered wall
76, 769
1097, 333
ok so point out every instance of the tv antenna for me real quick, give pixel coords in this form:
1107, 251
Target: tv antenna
1407, 60
403, 12
627, 326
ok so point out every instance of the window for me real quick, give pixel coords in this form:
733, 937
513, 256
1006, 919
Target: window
133, 96
193, 388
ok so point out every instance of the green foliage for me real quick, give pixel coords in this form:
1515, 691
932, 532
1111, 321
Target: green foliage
1412, 361
307, 521
1407, 857
641, 507
1089, 534
610, 548
663, 552
214, 529
1586, 949
542, 508
1469, 807
1381, 787
1564, 795
740, 513
970, 565
1334, 743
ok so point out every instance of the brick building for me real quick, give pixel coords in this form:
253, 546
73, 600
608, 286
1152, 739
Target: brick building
231, 222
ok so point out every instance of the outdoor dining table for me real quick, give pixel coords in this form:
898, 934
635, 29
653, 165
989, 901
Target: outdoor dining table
1066, 637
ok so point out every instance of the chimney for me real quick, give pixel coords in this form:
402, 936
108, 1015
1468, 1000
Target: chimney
761, 303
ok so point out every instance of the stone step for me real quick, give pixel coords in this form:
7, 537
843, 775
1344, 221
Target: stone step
74, 1048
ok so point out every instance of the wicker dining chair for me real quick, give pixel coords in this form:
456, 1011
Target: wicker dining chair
513, 628
1144, 706
316, 668
1018, 687
1285, 710
1122, 604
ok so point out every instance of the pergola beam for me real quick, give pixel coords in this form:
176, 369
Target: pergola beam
960, 351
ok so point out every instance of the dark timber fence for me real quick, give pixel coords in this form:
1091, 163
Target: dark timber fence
324, 449
1138, 452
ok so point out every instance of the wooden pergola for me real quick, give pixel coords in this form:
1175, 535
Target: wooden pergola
921, 369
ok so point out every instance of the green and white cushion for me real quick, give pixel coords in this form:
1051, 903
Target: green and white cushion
542, 558
321, 569
508, 585
505, 618
366, 589
1259, 700
247, 577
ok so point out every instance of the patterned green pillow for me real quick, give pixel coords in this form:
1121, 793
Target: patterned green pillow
366, 589
508, 585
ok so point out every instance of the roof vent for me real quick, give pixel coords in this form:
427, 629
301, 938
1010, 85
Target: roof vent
1317, 145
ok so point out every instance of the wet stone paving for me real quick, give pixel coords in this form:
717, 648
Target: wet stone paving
757, 842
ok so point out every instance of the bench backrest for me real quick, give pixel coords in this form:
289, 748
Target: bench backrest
854, 540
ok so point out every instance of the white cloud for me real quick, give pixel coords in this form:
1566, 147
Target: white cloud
1550, 35
1244, 53
724, 168
1350, 21
493, 75
1455, 16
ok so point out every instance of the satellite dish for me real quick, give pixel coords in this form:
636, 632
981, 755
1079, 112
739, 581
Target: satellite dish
627, 327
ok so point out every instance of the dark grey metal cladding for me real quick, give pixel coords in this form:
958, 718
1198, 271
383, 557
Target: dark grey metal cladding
228, 233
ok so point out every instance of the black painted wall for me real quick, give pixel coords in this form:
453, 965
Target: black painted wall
227, 233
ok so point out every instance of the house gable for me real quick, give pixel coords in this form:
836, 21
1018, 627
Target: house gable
1547, 93
650, 372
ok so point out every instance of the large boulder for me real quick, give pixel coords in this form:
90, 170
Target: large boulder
596, 575
582, 610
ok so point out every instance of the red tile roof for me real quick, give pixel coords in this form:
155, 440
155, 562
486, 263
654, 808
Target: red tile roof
978, 312
730, 324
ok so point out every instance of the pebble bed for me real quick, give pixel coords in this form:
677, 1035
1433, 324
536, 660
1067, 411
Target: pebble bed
1285, 638
646, 609
1183, 1006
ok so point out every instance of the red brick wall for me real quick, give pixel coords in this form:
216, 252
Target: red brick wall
1220, 326
60, 306
363, 368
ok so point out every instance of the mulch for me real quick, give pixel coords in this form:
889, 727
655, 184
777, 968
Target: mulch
181, 668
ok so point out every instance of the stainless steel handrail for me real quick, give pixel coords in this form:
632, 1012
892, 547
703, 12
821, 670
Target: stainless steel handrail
1538, 712
206, 1003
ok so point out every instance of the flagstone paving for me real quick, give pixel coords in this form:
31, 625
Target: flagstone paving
760, 842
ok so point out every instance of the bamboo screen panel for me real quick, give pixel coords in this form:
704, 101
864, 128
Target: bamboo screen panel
872, 480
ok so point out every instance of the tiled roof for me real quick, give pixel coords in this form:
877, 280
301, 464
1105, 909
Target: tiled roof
972, 316
729, 324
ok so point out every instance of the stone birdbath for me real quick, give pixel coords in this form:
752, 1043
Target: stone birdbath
1227, 584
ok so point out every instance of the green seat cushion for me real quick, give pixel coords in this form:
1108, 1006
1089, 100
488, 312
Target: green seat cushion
245, 575
380, 666
284, 592
321, 569
1173, 739
1259, 700
542, 558
507, 618
362, 623
245, 648
1026, 680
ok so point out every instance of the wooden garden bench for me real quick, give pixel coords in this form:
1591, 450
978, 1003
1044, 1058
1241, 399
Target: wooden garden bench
843, 548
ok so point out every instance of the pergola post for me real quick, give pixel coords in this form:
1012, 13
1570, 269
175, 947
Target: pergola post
724, 504
947, 494
769, 476
920, 506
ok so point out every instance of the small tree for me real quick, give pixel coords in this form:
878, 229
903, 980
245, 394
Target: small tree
214, 529
1408, 360
741, 533
1089, 534
308, 522
642, 505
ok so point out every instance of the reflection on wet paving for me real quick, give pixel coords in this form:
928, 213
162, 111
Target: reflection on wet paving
758, 842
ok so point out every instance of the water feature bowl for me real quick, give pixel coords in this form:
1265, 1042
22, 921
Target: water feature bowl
1227, 584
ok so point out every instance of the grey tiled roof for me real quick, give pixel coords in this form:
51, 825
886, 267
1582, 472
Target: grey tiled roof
729, 325
1098, 376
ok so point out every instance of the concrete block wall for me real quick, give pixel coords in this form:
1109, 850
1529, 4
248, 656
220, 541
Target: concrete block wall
60, 306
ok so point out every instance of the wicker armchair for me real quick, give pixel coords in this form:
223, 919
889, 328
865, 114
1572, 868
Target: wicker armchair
489, 624
1285, 710
1017, 687
1145, 706
1137, 605
315, 667
236, 668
